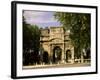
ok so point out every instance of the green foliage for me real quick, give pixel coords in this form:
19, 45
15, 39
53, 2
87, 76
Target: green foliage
79, 26
31, 43
31, 37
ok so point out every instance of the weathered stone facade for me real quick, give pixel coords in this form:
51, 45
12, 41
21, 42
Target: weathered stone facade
56, 42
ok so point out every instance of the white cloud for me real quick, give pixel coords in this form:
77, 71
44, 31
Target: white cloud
34, 17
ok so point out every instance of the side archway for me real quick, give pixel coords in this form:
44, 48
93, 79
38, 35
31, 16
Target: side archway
68, 55
45, 57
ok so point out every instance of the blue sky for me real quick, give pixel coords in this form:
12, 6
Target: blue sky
41, 18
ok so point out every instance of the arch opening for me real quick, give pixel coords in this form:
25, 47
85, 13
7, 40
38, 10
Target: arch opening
68, 55
57, 52
45, 57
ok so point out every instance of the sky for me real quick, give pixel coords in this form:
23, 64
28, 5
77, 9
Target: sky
40, 18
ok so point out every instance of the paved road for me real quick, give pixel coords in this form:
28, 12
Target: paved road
56, 66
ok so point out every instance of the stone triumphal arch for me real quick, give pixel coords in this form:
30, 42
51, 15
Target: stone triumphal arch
56, 42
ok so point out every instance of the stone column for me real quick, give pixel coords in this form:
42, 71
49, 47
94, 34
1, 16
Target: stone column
51, 53
72, 55
82, 60
82, 53
63, 56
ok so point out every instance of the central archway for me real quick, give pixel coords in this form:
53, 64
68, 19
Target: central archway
57, 52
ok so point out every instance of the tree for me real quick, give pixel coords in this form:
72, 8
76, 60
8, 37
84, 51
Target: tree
79, 26
31, 42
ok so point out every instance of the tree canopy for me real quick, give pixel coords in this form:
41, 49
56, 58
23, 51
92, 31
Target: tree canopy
79, 26
31, 36
31, 43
